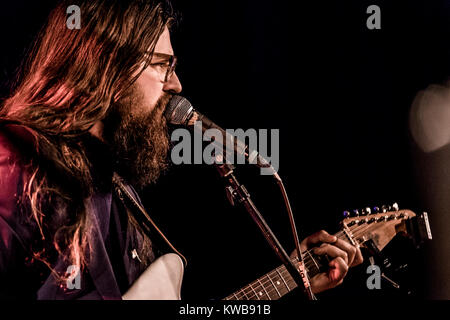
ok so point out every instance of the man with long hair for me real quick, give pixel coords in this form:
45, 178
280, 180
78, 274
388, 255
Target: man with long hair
90, 105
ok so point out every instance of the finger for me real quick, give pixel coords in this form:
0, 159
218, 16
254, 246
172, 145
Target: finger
318, 237
332, 278
331, 251
358, 257
321, 282
338, 270
347, 247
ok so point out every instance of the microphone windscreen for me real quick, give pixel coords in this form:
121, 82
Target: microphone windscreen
179, 110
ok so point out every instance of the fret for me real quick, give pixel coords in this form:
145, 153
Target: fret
244, 296
313, 263
270, 285
260, 292
238, 295
247, 294
287, 287
281, 286
264, 289
314, 260
289, 278
250, 285
273, 284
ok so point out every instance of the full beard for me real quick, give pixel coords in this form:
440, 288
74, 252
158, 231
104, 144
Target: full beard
139, 140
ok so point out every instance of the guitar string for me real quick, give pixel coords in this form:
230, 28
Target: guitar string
356, 232
309, 263
268, 290
253, 285
268, 286
361, 230
285, 275
266, 293
356, 229
365, 226
262, 284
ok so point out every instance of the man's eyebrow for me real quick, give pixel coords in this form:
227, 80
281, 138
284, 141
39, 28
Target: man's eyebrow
162, 55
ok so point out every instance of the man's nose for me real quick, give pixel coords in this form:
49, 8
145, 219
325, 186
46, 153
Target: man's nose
173, 85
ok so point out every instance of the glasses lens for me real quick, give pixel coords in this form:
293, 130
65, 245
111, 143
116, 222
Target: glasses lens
171, 69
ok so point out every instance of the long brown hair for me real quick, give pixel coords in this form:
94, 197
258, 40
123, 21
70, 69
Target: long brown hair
69, 82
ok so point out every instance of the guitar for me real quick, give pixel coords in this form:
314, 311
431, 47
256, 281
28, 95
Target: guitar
162, 279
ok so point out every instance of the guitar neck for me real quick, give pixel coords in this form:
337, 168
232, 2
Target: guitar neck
279, 282
380, 227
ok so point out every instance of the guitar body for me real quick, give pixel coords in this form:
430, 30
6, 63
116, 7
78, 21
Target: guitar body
160, 281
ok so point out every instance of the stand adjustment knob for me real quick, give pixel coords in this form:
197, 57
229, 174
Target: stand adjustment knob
230, 194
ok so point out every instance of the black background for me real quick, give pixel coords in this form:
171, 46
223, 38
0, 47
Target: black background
340, 95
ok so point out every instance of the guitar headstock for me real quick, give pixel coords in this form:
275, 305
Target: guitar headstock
379, 224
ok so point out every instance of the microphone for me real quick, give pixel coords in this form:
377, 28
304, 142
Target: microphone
180, 111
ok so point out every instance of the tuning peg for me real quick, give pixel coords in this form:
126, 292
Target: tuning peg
384, 208
355, 213
395, 206
346, 214
375, 209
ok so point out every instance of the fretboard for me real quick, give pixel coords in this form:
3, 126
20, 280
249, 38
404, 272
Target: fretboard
279, 282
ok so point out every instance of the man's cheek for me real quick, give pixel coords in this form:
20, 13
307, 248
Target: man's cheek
150, 96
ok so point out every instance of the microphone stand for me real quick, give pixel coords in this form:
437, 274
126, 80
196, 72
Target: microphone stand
238, 193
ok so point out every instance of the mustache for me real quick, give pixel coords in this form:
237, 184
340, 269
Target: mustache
156, 117
163, 102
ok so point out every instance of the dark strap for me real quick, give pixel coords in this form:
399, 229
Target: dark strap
123, 191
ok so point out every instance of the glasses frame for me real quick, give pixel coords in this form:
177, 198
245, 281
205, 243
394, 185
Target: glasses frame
172, 59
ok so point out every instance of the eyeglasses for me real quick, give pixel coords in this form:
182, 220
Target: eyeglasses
166, 63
